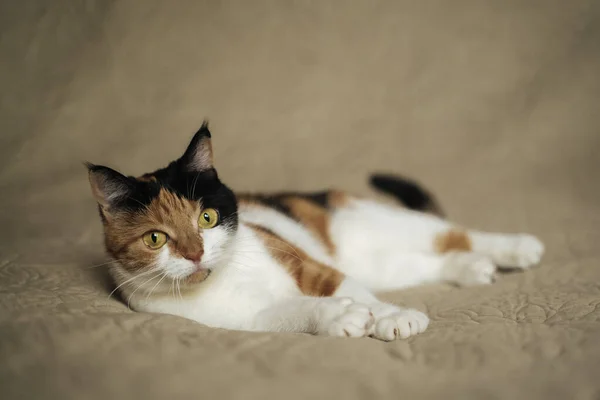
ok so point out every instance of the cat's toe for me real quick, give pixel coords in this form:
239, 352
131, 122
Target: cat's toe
354, 322
401, 325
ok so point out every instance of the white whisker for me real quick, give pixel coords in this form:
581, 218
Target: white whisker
100, 265
137, 288
130, 280
156, 285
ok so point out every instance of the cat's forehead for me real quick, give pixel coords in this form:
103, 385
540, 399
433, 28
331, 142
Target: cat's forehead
169, 200
171, 208
162, 193
192, 186
173, 191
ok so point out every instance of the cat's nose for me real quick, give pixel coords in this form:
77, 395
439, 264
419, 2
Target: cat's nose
195, 256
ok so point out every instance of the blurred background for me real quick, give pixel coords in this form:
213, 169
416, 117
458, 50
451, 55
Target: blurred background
493, 105
478, 100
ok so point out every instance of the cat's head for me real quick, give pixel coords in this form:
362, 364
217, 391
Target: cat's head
175, 223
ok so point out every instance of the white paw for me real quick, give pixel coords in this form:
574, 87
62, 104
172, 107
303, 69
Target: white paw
400, 325
343, 317
519, 251
469, 269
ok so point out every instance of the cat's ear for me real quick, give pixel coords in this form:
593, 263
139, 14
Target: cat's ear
199, 156
108, 186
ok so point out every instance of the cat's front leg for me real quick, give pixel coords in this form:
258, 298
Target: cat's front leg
341, 316
330, 316
391, 322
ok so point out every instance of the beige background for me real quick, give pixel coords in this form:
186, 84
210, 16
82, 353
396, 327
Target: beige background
494, 105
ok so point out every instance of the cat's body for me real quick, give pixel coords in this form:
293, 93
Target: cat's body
288, 262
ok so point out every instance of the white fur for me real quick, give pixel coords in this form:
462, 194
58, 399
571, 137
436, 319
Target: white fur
378, 247
216, 246
386, 247
513, 251
286, 228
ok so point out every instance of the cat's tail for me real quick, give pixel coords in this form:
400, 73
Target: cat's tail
408, 192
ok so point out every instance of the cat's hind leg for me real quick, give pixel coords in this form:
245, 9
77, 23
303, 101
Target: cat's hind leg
386, 247
395, 271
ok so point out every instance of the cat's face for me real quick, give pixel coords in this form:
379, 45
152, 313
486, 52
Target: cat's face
172, 225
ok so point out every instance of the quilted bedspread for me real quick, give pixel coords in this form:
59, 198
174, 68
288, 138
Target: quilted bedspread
493, 105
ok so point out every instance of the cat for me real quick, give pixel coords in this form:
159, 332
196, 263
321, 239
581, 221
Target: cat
184, 244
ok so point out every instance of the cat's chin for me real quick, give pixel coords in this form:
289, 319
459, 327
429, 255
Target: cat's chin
197, 277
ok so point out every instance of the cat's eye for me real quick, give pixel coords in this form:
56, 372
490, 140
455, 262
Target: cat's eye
209, 218
155, 240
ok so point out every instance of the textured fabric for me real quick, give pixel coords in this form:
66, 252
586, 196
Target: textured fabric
493, 105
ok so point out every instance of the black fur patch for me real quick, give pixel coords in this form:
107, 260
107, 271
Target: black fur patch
277, 200
407, 192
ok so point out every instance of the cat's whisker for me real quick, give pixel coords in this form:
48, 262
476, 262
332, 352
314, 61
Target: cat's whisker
187, 188
100, 265
156, 285
139, 286
144, 206
296, 256
244, 266
179, 289
140, 275
194, 186
172, 289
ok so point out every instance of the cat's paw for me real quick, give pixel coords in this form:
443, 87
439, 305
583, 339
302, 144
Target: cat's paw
400, 324
343, 317
519, 251
469, 269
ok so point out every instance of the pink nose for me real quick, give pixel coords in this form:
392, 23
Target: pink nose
195, 257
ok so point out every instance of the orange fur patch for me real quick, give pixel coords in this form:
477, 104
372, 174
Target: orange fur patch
311, 214
314, 217
335, 198
452, 240
312, 277
197, 277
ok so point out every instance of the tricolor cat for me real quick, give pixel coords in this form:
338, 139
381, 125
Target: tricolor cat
185, 244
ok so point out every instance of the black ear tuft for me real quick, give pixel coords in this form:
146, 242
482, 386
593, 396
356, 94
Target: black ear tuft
204, 128
199, 157
109, 187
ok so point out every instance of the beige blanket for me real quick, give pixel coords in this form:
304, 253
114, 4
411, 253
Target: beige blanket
494, 105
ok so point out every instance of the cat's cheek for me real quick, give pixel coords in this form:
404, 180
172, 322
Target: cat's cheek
137, 258
162, 257
216, 241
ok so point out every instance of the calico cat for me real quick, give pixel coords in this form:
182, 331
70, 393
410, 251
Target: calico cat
185, 244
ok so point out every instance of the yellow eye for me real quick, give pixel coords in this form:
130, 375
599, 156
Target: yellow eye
154, 240
209, 218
